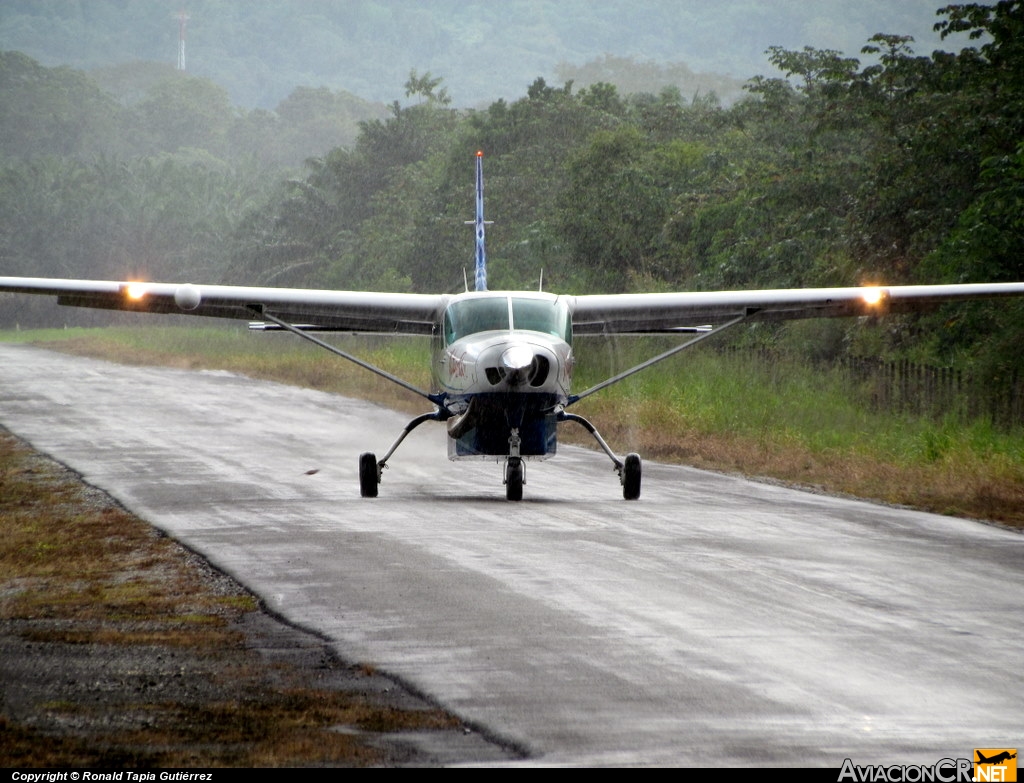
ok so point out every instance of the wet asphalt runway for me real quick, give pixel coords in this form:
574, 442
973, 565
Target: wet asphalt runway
715, 621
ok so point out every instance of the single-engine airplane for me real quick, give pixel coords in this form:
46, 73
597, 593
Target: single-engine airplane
502, 361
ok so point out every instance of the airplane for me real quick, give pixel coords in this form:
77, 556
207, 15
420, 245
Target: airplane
999, 758
502, 361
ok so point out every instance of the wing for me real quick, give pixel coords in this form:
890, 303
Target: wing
359, 311
640, 313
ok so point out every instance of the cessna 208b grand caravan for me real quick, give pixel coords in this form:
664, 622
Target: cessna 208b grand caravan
502, 360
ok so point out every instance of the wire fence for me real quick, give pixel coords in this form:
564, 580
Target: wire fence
919, 389
922, 390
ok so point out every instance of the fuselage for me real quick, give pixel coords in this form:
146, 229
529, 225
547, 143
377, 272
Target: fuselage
503, 361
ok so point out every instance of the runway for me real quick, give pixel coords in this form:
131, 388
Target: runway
716, 621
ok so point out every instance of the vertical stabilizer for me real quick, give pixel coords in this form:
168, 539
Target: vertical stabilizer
481, 253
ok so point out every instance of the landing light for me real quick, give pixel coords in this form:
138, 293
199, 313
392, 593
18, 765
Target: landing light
135, 290
874, 295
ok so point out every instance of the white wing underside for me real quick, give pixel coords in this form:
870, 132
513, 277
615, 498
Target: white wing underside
625, 313
357, 311
362, 311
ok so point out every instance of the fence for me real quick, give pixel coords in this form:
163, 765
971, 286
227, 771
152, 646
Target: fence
922, 390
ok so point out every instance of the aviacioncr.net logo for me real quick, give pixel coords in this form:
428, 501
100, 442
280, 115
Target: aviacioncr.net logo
942, 771
995, 764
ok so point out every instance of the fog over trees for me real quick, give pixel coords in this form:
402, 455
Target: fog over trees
899, 164
260, 50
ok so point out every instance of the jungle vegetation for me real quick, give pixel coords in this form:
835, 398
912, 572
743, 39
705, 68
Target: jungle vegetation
907, 169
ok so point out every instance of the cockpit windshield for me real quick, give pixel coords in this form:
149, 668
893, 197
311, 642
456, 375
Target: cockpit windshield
542, 315
501, 313
470, 316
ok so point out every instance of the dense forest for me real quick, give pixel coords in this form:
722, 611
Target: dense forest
907, 169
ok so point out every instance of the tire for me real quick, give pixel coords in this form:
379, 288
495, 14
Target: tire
514, 479
368, 475
631, 477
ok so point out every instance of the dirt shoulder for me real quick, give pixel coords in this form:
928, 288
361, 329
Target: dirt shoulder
121, 648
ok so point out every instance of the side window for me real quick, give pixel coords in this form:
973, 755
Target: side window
449, 327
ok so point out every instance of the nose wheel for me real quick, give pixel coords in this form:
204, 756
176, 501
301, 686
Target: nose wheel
515, 471
515, 477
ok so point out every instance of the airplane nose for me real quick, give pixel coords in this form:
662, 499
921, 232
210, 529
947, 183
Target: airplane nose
517, 358
520, 365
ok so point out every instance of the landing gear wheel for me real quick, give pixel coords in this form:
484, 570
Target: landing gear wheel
631, 477
514, 479
368, 476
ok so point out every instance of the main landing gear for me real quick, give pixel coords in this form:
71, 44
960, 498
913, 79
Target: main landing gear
369, 474
629, 468
371, 470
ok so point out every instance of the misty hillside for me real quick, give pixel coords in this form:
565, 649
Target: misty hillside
830, 170
261, 50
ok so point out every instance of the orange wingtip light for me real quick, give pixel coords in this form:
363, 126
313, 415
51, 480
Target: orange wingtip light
135, 290
479, 153
874, 295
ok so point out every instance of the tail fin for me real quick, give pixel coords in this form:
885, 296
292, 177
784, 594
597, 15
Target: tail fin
481, 253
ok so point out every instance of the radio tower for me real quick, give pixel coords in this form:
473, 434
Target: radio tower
182, 21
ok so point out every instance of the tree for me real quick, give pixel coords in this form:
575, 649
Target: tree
183, 111
612, 210
54, 111
426, 86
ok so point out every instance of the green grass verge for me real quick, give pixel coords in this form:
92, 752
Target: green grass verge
787, 401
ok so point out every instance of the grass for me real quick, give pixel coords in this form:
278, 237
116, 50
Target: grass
809, 426
782, 420
172, 682
273, 356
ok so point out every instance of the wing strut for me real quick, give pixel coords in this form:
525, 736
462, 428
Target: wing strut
437, 399
660, 357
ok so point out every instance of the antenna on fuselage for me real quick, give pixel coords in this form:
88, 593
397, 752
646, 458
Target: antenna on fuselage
481, 253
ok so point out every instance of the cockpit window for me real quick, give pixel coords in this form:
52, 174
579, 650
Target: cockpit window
542, 315
484, 314
475, 315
